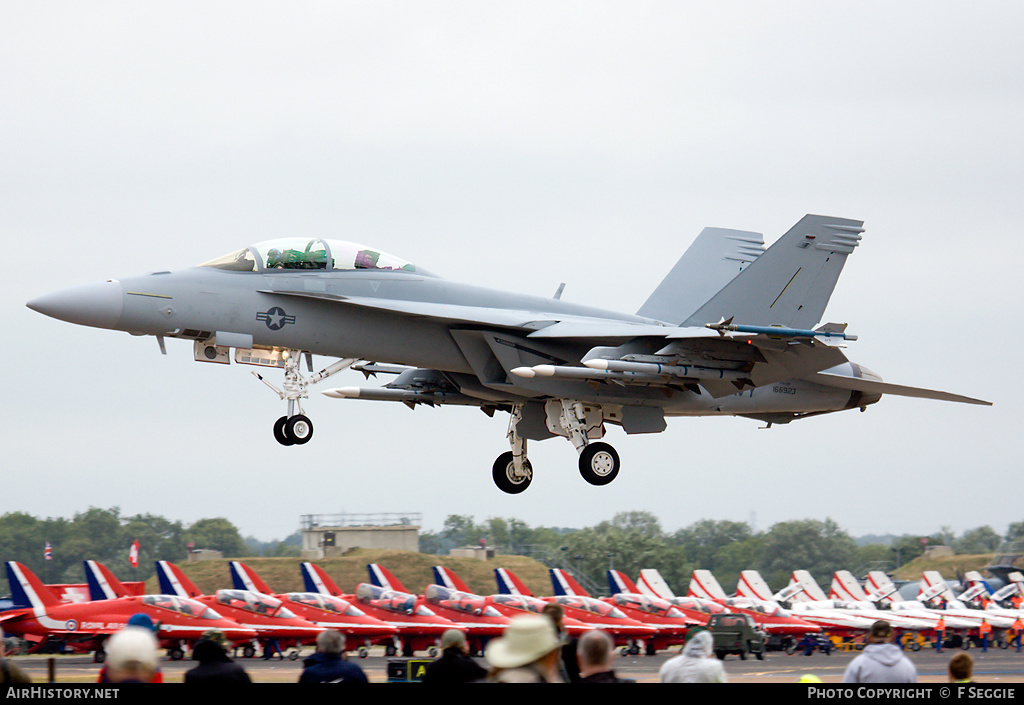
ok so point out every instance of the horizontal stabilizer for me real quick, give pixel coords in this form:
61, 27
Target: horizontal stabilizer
875, 387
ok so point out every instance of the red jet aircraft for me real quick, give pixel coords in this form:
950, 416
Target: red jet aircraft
470, 613
600, 615
419, 628
672, 625
42, 618
508, 605
277, 628
327, 611
696, 609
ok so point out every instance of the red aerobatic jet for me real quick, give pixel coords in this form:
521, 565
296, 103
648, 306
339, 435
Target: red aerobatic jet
277, 628
419, 628
470, 613
360, 629
672, 625
599, 615
508, 605
43, 619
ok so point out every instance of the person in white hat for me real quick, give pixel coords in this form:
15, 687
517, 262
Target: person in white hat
528, 652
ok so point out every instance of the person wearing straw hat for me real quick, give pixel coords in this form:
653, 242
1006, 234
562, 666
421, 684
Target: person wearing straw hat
527, 652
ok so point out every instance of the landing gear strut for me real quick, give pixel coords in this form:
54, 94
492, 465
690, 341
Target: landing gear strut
512, 472
598, 461
295, 428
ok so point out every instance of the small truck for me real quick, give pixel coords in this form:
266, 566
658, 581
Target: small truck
736, 634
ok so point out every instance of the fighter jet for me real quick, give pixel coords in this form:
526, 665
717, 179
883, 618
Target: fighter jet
39, 616
277, 628
360, 629
419, 627
729, 331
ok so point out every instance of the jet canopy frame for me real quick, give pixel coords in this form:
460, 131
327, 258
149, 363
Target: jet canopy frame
309, 254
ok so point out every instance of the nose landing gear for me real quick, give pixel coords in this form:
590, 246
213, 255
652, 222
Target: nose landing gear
295, 428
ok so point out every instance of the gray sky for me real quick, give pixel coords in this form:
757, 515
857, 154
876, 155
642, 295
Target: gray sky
516, 145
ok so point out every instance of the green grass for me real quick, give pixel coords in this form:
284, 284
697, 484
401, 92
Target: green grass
414, 570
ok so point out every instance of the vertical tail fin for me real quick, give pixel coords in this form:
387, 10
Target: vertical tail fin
881, 587
619, 583
791, 283
174, 582
753, 586
28, 591
245, 578
712, 261
448, 578
811, 591
103, 585
846, 587
382, 577
564, 584
316, 579
652, 584
933, 585
704, 585
510, 584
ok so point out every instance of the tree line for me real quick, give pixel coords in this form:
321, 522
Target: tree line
55, 548
632, 541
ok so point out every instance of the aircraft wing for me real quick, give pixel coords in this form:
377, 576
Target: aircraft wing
875, 387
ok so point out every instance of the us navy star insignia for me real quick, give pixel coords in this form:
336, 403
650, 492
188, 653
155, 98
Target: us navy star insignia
275, 318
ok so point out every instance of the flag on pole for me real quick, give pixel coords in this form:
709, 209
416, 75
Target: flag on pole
48, 552
133, 554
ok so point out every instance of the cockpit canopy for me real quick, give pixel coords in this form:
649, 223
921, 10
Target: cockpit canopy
590, 604
460, 601
181, 605
327, 603
309, 255
254, 602
390, 600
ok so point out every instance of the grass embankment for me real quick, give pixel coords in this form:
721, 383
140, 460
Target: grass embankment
413, 569
948, 567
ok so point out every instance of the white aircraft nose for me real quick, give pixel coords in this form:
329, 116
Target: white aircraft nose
98, 305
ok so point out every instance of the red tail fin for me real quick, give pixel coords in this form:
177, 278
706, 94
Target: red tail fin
564, 584
382, 577
245, 578
27, 590
510, 584
317, 580
448, 578
174, 582
619, 582
103, 585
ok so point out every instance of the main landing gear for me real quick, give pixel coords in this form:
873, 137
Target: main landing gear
295, 428
598, 461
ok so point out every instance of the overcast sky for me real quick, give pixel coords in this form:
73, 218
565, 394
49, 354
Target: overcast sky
516, 145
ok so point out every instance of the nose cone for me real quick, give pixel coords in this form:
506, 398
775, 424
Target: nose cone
98, 305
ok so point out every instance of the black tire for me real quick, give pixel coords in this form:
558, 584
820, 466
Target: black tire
299, 429
279, 432
599, 463
503, 474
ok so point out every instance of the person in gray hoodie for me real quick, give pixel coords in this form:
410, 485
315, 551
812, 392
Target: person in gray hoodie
882, 661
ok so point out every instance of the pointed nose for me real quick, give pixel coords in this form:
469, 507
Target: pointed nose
98, 305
